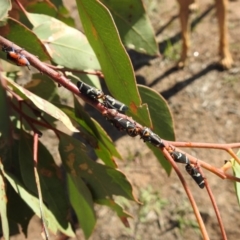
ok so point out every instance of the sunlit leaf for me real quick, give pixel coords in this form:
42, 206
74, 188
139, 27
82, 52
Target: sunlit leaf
133, 25
29, 42
67, 46
44, 105
5, 6
236, 171
115, 63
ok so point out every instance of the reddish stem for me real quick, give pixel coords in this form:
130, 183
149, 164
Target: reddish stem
64, 69
32, 120
189, 194
224, 236
223, 146
35, 159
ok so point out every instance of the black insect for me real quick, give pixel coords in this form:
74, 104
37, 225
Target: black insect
148, 136
89, 91
111, 102
124, 124
196, 175
179, 157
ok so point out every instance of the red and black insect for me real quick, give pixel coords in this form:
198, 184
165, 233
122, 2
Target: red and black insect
16, 56
126, 125
179, 157
112, 103
89, 91
148, 136
196, 175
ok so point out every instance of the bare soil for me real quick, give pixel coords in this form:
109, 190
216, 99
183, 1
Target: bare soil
204, 102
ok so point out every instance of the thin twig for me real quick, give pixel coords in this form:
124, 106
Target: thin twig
32, 120
222, 146
215, 208
64, 69
35, 159
189, 194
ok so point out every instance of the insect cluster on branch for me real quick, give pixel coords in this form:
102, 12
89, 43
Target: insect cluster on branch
131, 128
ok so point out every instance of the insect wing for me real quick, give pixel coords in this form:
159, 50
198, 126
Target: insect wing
156, 140
196, 175
179, 157
115, 104
89, 91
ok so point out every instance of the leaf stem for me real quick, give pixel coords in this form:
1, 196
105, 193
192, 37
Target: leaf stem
189, 194
35, 159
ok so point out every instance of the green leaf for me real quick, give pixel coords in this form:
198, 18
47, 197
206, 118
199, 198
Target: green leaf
103, 181
3, 209
162, 121
115, 63
29, 42
236, 171
94, 134
43, 105
5, 6
67, 46
18, 211
42, 86
4, 113
33, 203
81, 200
51, 179
92, 126
133, 25
53, 9
116, 208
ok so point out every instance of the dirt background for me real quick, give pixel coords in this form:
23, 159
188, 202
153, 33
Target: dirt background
204, 102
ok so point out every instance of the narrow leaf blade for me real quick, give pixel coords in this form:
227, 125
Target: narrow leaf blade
67, 46
113, 58
103, 181
162, 121
4, 119
104, 39
5, 6
3, 209
236, 171
123, 215
44, 105
82, 202
51, 179
33, 203
30, 41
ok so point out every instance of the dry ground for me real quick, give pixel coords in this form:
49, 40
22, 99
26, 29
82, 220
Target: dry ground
205, 105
